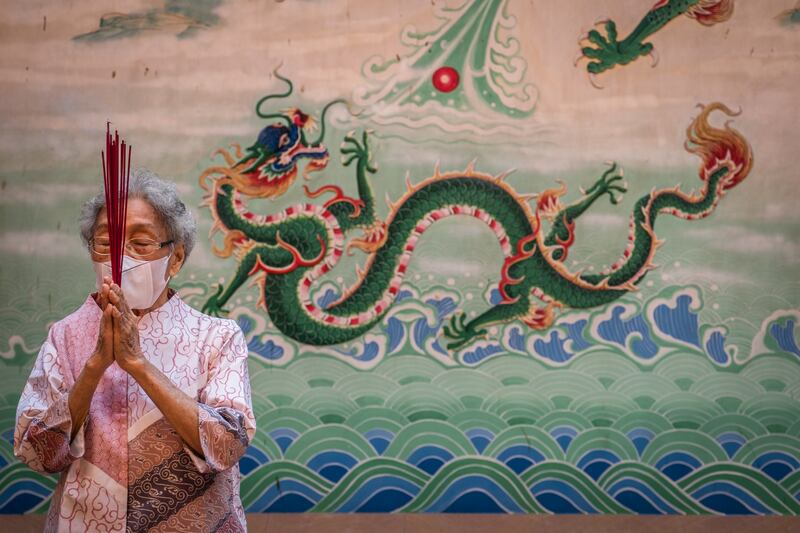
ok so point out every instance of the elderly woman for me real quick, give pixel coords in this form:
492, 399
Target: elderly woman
140, 401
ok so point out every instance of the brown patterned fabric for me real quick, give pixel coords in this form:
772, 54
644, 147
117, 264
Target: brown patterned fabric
163, 480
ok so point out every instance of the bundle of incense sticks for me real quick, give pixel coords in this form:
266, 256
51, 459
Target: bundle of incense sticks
116, 174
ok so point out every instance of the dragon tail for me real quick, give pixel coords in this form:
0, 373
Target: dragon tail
726, 161
717, 147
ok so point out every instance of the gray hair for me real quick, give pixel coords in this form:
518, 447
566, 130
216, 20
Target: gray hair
161, 195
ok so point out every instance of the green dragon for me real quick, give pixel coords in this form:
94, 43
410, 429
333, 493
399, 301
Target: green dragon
288, 252
607, 52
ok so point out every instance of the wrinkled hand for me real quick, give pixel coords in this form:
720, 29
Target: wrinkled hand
127, 351
103, 354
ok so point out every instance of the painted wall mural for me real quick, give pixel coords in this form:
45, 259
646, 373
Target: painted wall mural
182, 17
535, 320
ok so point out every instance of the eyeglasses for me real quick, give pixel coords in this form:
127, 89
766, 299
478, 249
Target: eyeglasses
137, 248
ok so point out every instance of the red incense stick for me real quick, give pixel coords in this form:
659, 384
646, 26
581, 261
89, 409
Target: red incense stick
116, 175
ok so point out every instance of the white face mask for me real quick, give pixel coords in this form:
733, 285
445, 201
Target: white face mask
142, 281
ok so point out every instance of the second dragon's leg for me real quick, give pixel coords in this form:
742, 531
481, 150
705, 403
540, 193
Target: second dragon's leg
561, 233
462, 332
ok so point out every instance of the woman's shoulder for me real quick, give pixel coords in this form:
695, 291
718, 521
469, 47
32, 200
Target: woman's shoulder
77, 324
220, 325
85, 313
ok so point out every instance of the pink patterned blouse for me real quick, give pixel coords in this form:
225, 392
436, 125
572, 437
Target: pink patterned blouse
127, 468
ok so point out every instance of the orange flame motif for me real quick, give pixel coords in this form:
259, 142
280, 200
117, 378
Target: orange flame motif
710, 12
374, 238
540, 317
338, 196
719, 146
297, 258
547, 202
522, 253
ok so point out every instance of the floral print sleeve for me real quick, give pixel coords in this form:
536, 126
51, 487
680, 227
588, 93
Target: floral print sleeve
44, 425
225, 413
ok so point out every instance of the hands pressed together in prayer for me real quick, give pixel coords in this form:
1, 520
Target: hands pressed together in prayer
118, 340
119, 334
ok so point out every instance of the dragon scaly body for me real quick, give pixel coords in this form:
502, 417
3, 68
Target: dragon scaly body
290, 251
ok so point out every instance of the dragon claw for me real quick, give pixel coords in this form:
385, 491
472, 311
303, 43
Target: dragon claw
357, 151
593, 80
605, 52
596, 38
460, 332
612, 168
653, 57
610, 183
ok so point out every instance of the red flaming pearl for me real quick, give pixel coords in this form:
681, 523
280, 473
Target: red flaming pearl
445, 79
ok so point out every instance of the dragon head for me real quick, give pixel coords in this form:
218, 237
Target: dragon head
719, 147
270, 165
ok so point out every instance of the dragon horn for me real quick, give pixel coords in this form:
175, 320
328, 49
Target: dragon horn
330, 104
276, 95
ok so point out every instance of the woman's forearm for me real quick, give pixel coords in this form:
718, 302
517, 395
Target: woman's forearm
80, 397
177, 407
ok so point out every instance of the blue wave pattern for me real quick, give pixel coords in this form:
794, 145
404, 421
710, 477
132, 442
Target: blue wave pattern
656, 416
643, 331
514, 435
646, 332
